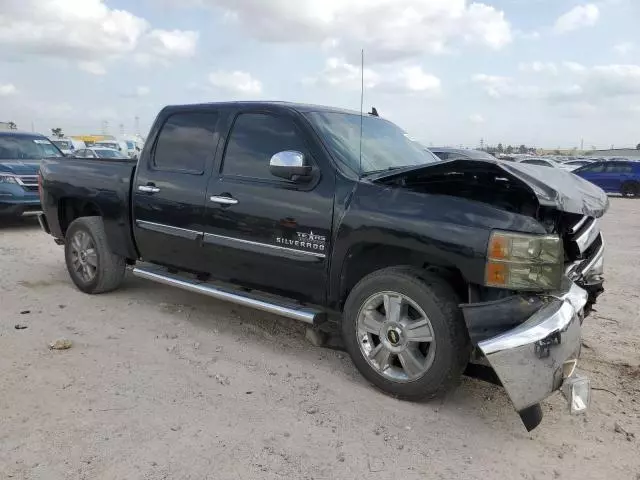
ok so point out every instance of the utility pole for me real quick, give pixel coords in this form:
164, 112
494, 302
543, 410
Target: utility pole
137, 119
482, 144
122, 129
582, 144
105, 127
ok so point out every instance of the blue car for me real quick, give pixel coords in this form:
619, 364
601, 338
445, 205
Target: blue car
20, 155
614, 176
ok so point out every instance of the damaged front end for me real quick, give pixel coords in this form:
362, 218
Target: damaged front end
539, 355
525, 319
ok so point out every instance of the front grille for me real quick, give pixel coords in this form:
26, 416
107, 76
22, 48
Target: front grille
28, 182
583, 244
580, 237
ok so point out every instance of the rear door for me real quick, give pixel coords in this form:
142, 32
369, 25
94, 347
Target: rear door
266, 232
615, 174
170, 186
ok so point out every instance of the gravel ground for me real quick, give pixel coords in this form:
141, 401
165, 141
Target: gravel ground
164, 384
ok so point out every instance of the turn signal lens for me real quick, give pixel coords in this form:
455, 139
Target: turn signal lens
524, 262
496, 273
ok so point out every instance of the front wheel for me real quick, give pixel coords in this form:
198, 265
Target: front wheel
93, 267
405, 332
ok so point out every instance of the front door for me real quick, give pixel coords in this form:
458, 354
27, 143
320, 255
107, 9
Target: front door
169, 190
266, 232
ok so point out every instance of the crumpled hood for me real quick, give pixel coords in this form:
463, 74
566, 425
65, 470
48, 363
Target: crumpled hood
553, 187
20, 167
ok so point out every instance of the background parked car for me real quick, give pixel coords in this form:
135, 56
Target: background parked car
113, 144
68, 146
572, 165
133, 149
457, 153
614, 176
543, 162
100, 152
20, 155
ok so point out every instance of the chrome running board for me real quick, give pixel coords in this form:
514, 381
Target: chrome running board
246, 299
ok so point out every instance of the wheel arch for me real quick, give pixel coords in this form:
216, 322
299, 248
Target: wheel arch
365, 258
70, 208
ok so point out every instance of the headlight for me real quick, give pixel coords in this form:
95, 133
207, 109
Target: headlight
524, 262
8, 178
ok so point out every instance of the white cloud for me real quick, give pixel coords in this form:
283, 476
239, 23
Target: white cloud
613, 80
95, 68
174, 43
339, 73
410, 79
7, 89
538, 67
624, 48
574, 67
84, 30
236, 82
142, 91
600, 85
388, 30
578, 17
416, 80
476, 118
532, 35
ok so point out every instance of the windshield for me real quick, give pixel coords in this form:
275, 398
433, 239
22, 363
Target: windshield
26, 148
384, 145
109, 145
63, 144
130, 145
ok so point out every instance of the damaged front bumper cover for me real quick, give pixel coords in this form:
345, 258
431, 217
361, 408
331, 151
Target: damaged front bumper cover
540, 355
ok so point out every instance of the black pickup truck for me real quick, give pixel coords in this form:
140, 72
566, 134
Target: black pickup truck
426, 268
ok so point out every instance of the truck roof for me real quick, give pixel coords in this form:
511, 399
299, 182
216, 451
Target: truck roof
300, 107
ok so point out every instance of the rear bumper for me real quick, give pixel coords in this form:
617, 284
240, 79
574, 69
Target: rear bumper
539, 356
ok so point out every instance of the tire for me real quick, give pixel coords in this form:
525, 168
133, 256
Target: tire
106, 269
630, 189
440, 369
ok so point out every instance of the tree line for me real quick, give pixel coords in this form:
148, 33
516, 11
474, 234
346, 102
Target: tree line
510, 149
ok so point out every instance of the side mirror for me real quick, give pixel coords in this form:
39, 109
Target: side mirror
290, 165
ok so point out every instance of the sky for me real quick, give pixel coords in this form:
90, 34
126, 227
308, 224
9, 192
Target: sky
544, 73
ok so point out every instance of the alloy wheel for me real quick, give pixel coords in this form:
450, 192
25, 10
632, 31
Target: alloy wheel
395, 336
84, 257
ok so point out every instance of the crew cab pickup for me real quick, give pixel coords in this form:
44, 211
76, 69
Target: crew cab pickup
425, 268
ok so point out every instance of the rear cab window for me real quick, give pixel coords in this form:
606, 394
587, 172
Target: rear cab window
185, 142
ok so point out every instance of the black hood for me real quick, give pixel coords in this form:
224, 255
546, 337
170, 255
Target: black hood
553, 187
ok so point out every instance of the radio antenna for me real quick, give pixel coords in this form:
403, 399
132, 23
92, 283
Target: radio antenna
361, 104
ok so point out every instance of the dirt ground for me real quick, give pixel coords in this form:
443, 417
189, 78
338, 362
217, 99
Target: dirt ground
164, 384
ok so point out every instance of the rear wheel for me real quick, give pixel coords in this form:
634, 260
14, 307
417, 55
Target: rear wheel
630, 189
93, 267
405, 332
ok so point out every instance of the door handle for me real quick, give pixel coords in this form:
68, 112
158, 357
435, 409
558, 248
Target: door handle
148, 188
222, 200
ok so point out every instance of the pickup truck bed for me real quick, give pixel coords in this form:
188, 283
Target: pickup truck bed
342, 221
105, 189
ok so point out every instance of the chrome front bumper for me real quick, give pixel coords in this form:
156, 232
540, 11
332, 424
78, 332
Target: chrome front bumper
539, 356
